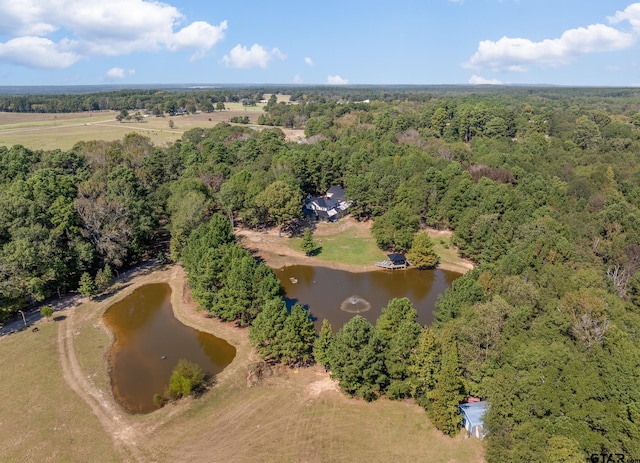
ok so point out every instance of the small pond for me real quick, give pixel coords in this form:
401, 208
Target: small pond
338, 295
149, 341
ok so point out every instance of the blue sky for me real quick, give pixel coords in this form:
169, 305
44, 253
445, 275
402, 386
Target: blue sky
562, 42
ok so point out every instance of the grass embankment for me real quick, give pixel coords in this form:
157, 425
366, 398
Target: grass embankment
296, 415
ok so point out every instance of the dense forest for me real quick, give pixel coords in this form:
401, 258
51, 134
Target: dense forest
541, 188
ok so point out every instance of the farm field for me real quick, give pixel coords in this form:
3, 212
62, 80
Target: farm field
57, 404
52, 131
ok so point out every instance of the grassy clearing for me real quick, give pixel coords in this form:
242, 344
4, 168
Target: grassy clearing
350, 242
352, 246
240, 107
42, 419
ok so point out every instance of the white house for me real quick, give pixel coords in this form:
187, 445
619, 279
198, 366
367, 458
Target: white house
330, 207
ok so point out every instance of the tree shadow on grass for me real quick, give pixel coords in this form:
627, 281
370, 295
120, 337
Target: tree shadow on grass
111, 292
296, 228
315, 252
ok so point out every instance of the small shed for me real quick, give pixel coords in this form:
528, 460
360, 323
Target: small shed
473, 417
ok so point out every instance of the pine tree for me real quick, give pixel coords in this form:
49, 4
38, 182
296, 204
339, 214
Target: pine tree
322, 345
425, 364
265, 329
421, 255
104, 277
87, 287
308, 245
296, 337
346, 353
447, 393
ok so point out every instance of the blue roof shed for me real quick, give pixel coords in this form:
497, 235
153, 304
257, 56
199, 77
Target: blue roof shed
473, 417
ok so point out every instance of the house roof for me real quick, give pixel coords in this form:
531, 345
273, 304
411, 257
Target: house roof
474, 412
336, 193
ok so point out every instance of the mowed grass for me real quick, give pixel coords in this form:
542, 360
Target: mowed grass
41, 418
284, 420
62, 131
353, 246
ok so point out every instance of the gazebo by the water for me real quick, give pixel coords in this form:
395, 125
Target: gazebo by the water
393, 262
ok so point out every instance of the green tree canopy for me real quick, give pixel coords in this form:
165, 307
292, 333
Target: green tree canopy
422, 255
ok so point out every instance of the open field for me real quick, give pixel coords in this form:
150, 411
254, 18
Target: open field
52, 131
57, 406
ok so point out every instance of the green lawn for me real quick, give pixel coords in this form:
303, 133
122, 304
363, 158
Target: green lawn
347, 247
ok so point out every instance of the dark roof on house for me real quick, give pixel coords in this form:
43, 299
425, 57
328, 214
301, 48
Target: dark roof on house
396, 258
336, 193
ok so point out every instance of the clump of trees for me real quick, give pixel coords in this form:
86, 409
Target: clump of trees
224, 278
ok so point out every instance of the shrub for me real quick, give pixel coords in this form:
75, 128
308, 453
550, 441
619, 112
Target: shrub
46, 311
186, 378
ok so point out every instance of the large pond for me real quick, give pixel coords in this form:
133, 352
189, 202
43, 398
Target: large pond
338, 295
149, 341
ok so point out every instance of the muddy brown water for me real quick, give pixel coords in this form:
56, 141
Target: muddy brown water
149, 341
338, 295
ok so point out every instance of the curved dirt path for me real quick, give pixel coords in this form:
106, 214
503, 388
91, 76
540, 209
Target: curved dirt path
114, 422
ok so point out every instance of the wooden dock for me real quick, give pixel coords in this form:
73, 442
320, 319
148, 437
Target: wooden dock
391, 266
395, 262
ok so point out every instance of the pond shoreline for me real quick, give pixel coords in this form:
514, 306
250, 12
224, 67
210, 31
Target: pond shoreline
274, 250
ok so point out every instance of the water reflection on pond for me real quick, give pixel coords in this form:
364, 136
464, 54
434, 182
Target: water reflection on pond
149, 341
338, 295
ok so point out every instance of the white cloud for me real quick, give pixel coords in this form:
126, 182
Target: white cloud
119, 73
630, 13
243, 57
115, 73
200, 35
105, 27
478, 80
297, 79
37, 52
518, 54
309, 61
336, 80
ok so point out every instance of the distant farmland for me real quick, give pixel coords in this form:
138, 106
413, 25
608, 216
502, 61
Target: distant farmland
51, 131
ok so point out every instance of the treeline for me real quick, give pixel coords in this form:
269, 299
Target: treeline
541, 187
131, 100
